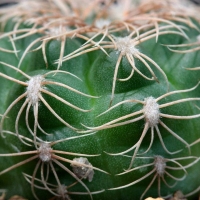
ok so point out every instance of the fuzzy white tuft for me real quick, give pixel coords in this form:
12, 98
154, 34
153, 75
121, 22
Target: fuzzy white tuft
151, 111
102, 23
62, 192
56, 31
45, 152
82, 171
33, 89
159, 164
125, 46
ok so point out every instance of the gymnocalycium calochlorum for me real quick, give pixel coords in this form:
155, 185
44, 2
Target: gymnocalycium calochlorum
100, 99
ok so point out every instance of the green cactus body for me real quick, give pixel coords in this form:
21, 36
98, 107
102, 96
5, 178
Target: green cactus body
99, 101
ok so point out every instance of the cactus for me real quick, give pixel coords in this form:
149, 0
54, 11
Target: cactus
99, 99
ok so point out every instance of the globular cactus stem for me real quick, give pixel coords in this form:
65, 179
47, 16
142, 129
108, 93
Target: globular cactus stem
99, 99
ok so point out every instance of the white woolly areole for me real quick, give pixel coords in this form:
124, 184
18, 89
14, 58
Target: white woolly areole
125, 46
101, 23
159, 164
62, 192
56, 31
151, 111
33, 89
45, 152
82, 171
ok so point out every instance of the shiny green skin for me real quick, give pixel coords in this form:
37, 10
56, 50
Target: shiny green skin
96, 71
